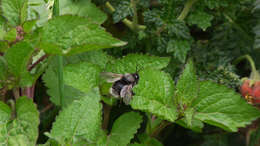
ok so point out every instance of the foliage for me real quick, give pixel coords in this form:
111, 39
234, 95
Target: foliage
53, 54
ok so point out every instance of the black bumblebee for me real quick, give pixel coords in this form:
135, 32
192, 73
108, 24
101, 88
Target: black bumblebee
122, 84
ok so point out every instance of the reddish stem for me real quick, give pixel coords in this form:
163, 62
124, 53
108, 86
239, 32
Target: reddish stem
37, 62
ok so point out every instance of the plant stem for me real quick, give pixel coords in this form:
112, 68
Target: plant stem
135, 18
16, 93
249, 59
158, 129
186, 9
37, 62
107, 110
56, 12
127, 22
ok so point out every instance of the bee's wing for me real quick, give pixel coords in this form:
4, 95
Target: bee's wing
126, 93
111, 77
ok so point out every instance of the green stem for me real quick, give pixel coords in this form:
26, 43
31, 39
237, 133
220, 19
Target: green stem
135, 18
127, 22
56, 12
249, 59
186, 9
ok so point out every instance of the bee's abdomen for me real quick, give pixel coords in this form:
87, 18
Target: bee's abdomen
118, 86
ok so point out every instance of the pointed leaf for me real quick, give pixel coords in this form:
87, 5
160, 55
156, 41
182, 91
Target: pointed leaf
73, 34
187, 86
131, 62
17, 58
124, 128
154, 94
217, 105
200, 18
80, 120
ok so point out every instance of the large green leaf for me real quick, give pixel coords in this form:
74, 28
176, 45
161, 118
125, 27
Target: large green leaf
83, 76
99, 58
154, 93
179, 48
75, 75
124, 128
134, 62
187, 86
68, 34
17, 58
82, 8
23, 129
80, 120
15, 11
38, 10
220, 106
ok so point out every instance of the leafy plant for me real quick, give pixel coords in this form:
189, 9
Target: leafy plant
53, 52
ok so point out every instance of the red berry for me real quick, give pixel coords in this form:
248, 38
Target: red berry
256, 92
245, 89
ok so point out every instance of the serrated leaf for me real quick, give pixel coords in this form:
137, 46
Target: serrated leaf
219, 106
99, 58
196, 125
23, 130
124, 128
154, 93
82, 8
14, 11
201, 19
83, 76
134, 62
180, 29
17, 58
86, 71
123, 9
67, 35
180, 49
187, 86
80, 120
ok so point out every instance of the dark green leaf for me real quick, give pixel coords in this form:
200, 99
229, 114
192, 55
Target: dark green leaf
201, 19
123, 9
180, 49
154, 93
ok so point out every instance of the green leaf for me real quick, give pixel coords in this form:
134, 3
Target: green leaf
67, 35
196, 125
154, 93
219, 106
80, 120
134, 62
124, 128
201, 19
88, 72
216, 140
187, 86
99, 58
23, 130
14, 11
122, 10
10, 35
82, 8
28, 26
17, 58
180, 49
83, 76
